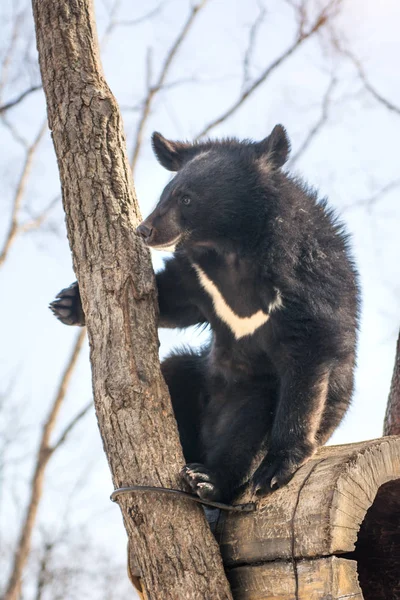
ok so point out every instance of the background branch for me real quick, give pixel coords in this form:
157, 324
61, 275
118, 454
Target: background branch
254, 30
45, 451
19, 98
67, 430
318, 125
6, 62
371, 201
300, 39
368, 85
19, 194
114, 22
153, 90
38, 220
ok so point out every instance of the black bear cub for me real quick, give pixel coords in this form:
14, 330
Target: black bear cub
266, 264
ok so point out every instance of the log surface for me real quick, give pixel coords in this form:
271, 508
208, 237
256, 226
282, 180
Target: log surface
333, 532
319, 579
319, 512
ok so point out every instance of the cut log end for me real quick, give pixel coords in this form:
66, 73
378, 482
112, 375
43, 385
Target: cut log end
332, 532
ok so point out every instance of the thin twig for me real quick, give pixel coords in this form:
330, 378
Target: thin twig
363, 76
44, 572
114, 23
254, 29
37, 221
19, 193
301, 37
20, 139
372, 200
377, 95
111, 24
316, 128
129, 22
368, 86
67, 430
44, 453
153, 90
9, 52
176, 83
19, 98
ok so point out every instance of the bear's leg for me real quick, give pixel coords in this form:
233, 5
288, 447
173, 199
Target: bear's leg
185, 377
303, 394
235, 431
341, 384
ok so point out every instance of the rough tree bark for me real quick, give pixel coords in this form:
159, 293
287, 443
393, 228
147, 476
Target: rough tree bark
392, 418
175, 551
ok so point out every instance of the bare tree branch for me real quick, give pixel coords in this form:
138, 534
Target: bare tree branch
20, 139
19, 98
9, 52
67, 430
368, 85
129, 22
173, 84
316, 128
111, 23
372, 200
114, 23
19, 193
301, 37
45, 451
337, 44
37, 221
152, 90
254, 29
43, 575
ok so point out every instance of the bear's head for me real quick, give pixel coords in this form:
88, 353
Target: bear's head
220, 193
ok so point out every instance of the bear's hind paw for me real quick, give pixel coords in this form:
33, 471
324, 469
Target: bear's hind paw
201, 481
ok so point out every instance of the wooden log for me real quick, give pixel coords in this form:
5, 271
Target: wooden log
333, 533
344, 503
313, 579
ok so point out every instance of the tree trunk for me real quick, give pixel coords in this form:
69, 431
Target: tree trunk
175, 550
392, 418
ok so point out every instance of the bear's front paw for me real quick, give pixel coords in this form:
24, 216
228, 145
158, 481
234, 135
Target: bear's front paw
276, 470
201, 481
68, 307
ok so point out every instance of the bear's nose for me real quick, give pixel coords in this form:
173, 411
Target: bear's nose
144, 230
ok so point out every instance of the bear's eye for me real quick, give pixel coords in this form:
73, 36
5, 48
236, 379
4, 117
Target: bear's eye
185, 200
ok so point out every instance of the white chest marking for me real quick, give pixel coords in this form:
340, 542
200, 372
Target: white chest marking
240, 326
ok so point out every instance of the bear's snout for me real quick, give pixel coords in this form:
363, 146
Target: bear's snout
144, 231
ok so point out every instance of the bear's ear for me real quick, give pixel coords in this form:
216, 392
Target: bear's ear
172, 155
276, 147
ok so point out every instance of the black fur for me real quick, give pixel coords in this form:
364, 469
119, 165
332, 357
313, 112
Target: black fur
256, 406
